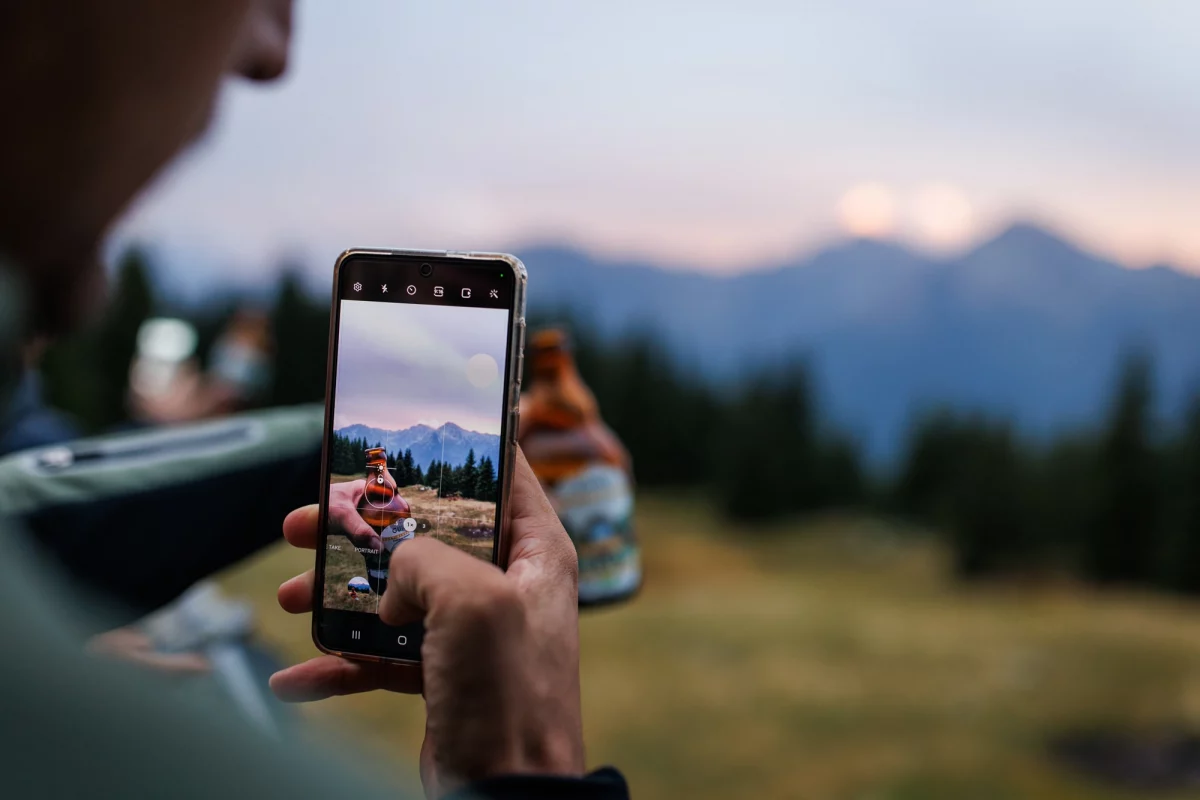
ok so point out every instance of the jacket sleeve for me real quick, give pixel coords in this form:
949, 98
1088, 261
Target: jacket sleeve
140, 517
75, 726
603, 784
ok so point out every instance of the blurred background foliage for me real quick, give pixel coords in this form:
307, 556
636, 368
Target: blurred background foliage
1118, 503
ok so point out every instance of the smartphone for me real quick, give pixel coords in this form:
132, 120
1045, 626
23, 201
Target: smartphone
421, 412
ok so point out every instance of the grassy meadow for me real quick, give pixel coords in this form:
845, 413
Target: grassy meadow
830, 659
465, 524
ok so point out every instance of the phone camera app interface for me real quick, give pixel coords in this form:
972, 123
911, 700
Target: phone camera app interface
416, 441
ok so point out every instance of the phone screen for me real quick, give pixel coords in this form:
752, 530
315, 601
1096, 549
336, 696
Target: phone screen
417, 432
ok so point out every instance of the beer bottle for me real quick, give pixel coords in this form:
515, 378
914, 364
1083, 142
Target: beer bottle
385, 511
583, 467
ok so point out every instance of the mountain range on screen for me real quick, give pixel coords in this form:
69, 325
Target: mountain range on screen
449, 443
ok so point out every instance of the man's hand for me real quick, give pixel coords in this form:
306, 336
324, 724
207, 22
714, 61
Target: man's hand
343, 517
500, 671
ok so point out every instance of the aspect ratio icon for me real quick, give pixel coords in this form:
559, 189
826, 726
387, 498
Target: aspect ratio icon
438, 291
411, 290
466, 294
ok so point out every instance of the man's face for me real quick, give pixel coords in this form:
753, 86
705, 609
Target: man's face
107, 92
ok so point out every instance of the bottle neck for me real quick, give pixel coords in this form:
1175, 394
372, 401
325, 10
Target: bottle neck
553, 367
554, 373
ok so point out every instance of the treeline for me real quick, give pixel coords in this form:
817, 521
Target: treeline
470, 480
1118, 504
760, 450
349, 457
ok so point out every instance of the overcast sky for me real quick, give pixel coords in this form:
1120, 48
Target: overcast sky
401, 365
711, 135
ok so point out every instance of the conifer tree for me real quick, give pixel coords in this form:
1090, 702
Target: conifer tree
411, 471
1121, 542
485, 483
467, 475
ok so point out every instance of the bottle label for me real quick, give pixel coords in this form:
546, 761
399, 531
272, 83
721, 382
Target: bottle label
596, 508
393, 536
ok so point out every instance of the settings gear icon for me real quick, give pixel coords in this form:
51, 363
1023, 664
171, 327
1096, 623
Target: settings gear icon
358, 287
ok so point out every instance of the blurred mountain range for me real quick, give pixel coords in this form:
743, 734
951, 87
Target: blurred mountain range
1026, 325
449, 443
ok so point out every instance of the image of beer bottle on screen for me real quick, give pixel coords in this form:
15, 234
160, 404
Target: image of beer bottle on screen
583, 467
368, 519
382, 507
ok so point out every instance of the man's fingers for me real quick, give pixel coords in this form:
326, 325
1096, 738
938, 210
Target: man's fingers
300, 527
355, 529
426, 573
330, 676
296, 594
529, 501
536, 534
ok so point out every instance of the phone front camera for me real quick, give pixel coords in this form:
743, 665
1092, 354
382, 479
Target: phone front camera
426, 270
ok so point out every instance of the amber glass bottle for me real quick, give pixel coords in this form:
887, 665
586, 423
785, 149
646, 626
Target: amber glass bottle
583, 467
381, 503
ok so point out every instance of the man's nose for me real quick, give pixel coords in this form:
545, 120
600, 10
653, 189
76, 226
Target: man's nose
262, 51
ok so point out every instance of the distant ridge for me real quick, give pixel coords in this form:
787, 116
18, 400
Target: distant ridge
1026, 324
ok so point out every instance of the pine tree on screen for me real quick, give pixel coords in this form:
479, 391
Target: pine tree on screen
411, 472
436, 476
398, 471
450, 479
485, 483
341, 462
468, 474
